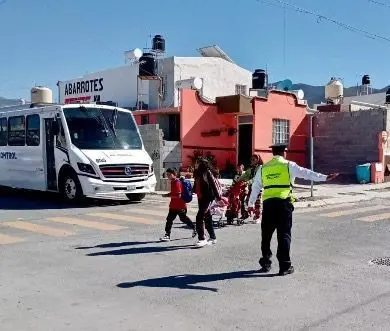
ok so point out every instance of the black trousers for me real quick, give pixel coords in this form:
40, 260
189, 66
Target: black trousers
182, 216
204, 219
277, 215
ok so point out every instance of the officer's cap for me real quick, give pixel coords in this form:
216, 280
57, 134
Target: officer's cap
279, 147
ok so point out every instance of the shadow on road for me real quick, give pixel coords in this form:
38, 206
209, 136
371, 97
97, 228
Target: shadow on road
11, 199
142, 250
126, 243
188, 281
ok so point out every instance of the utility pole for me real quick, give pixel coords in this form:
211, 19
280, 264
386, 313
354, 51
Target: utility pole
311, 154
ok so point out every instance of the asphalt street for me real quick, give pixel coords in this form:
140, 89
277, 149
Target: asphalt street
100, 266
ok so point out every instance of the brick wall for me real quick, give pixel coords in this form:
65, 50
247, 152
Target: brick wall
343, 140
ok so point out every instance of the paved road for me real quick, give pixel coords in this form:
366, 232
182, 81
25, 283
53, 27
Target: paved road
100, 266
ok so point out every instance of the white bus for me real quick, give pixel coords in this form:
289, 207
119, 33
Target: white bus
78, 150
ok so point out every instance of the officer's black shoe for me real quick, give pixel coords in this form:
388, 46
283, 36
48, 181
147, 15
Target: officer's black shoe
265, 269
286, 271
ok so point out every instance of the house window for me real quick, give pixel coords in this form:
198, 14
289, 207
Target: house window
280, 131
241, 89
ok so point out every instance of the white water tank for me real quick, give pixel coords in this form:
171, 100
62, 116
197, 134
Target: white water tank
299, 93
40, 94
334, 90
195, 83
133, 55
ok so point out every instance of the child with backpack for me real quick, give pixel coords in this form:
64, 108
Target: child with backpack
181, 194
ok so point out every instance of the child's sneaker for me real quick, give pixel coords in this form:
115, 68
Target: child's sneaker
202, 243
194, 234
165, 238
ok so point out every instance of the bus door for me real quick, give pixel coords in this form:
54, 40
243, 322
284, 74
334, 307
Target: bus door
51, 176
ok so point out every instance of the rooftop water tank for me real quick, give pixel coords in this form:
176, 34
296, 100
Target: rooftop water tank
299, 93
147, 65
195, 83
259, 79
158, 43
366, 80
334, 90
133, 55
40, 94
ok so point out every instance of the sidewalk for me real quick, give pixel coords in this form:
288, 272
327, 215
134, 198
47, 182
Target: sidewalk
329, 194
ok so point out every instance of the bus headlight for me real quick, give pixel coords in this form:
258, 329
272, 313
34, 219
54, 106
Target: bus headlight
83, 167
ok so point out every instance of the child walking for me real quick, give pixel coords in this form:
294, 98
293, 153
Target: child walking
177, 206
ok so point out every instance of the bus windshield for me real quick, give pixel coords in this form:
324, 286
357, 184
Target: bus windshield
102, 128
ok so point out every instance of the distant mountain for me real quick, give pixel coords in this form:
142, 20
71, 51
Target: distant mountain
9, 102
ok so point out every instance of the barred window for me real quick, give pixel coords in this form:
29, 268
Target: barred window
280, 131
241, 89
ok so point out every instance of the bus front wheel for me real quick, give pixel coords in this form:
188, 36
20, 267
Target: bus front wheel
71, 188
136, 197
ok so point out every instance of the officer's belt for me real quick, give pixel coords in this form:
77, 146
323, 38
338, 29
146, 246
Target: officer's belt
278, 186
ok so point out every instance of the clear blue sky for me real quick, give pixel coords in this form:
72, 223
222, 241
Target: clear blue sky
43, 41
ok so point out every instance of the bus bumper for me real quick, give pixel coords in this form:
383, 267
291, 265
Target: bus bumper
98, 188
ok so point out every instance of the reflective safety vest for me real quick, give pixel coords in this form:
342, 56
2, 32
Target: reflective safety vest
275, 178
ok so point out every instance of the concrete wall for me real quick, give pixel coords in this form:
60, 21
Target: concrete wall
120, 84
219, 76
285, 106
165, 154
345, 139
171, 154
152, 137
197, 118
375, 98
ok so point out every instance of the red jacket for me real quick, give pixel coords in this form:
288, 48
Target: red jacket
177, 203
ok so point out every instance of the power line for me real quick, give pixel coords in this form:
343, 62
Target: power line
380, 3
320, 18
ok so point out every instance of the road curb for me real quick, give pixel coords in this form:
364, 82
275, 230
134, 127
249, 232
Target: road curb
338, 199
341, 200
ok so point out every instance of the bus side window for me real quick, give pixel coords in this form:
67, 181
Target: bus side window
33, 129
16, 131
61, 141
3, 131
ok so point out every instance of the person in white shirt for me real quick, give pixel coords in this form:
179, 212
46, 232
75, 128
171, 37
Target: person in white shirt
276, 178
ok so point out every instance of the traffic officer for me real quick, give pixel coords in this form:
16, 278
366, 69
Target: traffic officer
277, 177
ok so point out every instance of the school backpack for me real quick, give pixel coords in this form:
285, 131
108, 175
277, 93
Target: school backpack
186, 193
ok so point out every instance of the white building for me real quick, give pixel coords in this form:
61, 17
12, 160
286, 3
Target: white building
220, 76
363, 101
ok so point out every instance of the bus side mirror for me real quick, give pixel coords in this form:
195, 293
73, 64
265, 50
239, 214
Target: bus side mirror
55, 129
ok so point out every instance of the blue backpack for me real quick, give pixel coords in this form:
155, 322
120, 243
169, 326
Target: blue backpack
186, 193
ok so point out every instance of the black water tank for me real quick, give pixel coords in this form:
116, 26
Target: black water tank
158, 43
259, 79
147, 65
366, 80
388, 95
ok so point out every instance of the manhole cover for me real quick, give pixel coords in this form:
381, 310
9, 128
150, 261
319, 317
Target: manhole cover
385, 261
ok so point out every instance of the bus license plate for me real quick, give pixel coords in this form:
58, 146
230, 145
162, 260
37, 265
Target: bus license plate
131, 188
